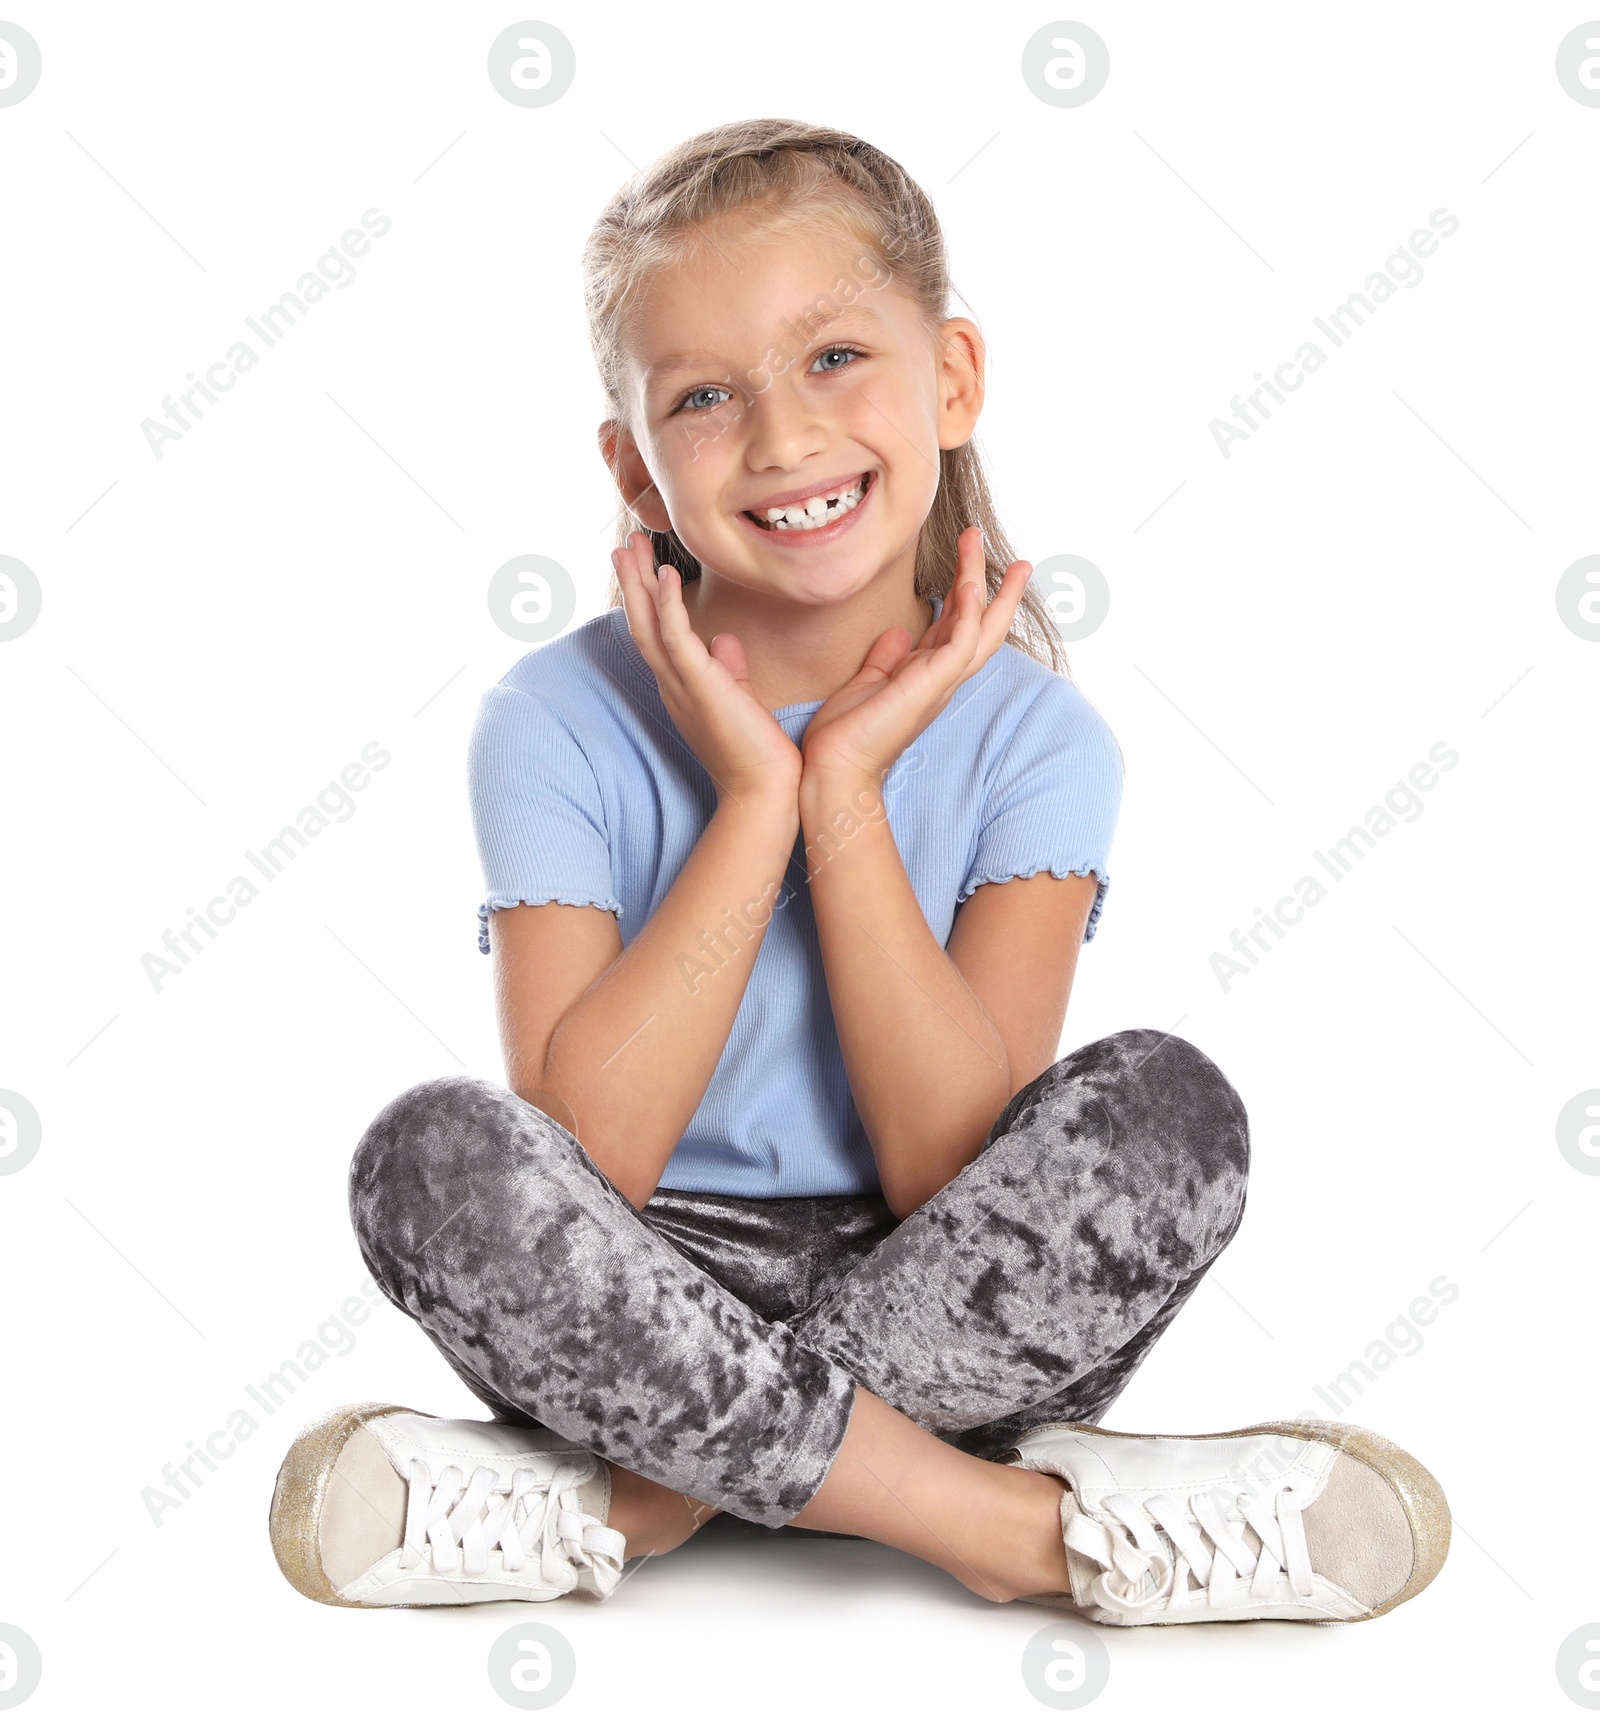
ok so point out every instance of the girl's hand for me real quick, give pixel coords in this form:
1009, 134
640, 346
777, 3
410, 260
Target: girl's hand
864, 727
706, 692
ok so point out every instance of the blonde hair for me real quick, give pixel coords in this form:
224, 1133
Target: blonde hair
785, 172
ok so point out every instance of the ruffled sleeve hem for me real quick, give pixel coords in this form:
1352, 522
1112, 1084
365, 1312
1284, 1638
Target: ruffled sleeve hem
1056, 872
573, 902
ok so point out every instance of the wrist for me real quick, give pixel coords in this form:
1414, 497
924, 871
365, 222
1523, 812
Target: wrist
775, 800
835, 807
826, 787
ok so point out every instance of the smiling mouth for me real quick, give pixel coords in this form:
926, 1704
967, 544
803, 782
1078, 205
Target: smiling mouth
815, 513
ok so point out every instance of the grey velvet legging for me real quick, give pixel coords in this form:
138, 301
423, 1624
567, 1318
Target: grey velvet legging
713, 1343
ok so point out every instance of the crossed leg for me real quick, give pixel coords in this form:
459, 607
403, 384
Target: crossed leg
1032, 1286
1029, 1288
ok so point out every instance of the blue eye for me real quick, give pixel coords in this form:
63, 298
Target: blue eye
689, 400
837, 349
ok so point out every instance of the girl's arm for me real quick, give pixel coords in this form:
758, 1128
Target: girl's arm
935, 1041
625, 1039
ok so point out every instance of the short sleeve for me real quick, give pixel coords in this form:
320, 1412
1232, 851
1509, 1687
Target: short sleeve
537, 810
1052, 803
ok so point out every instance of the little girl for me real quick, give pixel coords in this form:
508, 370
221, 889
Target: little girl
789, 1210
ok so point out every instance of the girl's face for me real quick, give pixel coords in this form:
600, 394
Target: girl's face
773, 368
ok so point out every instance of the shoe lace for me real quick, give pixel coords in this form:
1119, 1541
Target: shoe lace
462, 1521
1205, 1542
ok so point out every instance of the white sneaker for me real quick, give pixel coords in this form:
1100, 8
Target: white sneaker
379, 1506
1286, 1520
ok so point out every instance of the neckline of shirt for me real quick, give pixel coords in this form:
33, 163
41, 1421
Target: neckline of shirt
635, 659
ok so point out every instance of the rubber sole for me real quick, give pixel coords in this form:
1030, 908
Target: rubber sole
295, 1518
1420, 1494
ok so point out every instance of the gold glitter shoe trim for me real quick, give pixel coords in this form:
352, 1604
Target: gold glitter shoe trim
295, 1519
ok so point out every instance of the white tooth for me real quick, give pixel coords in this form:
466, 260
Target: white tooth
817, 510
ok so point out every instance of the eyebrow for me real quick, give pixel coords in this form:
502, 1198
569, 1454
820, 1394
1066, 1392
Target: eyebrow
671, 363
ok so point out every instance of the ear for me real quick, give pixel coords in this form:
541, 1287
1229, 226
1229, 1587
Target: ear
624, 460
960, 361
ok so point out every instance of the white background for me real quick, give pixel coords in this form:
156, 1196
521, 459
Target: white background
305, 571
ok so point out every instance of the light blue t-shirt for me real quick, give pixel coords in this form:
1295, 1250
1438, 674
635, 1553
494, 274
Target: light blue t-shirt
583, 791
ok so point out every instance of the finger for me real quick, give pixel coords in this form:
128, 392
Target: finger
727, 649
965, 603
634, 567
683, 645
980, 626
1002, 607
887, 653
939, 632
993, 614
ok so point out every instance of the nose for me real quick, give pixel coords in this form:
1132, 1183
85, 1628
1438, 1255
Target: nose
785, 431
